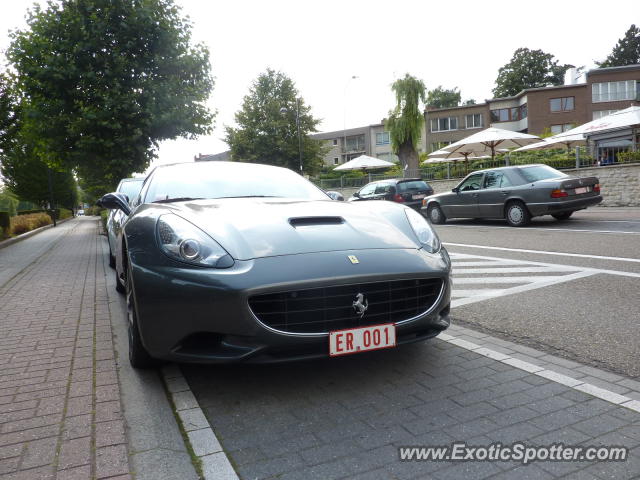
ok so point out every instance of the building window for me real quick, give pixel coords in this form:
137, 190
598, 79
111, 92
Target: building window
613, 91
602, 113
500, 115
382, 138
509, 114
335, 141
473, 121
435, 146
555, 129
563, 104
336, 160
355, 143
444, 124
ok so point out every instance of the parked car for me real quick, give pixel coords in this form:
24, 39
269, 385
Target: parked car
516, 194
80, 213
408, 191
239, 262
130, 187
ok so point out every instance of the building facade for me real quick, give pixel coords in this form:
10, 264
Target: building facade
539, 110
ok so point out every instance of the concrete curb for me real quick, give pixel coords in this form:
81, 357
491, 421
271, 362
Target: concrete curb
485, 345
24, 236
203, 442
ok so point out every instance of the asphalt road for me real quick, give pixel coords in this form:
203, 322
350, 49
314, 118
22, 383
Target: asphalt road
592, 319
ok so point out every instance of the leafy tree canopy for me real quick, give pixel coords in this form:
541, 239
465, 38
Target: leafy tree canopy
267, 129
626, 51
406, 120
443, 98
528, 69
102, 82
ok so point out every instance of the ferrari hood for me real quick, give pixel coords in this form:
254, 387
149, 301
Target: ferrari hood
250, 228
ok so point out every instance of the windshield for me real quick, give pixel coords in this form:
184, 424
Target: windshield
131, 188
540, 172
417, 185
228, 180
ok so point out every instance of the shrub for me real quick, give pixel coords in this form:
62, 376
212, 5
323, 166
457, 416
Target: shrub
25, 223
5, 223
64, 213
629, 157
103, 215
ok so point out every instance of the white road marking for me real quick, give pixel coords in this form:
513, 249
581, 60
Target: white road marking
602, 393
549, 229
543, 252
522, 288
493, 280
479, 292
516, 270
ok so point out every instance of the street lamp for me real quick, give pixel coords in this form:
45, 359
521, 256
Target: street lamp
284, 110
344, 124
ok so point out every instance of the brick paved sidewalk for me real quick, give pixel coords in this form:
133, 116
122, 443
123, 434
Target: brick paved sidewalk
60, 411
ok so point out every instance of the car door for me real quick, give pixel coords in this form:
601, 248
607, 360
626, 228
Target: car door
465, 202
367, 192
495, 190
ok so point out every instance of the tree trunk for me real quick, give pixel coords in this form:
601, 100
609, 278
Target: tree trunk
409, 159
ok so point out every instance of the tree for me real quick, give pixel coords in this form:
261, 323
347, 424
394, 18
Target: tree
626, 51
406, 120
443, 98
528, 69
27, 176
8, 113
103, 82
471, 101
266, 129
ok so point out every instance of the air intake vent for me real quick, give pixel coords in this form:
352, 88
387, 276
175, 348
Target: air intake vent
307, 221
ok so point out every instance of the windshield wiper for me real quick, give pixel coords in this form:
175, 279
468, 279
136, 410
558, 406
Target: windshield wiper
177, 199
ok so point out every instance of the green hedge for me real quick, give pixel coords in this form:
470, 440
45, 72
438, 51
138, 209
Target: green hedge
5, 224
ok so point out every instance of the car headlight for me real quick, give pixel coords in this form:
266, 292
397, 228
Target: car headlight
183, 241
426, 236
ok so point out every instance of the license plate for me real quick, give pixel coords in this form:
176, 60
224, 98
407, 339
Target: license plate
418, 197
582, 190
355, 340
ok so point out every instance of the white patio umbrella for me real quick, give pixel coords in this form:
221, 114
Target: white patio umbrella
487, 142
556, 141
620, 119
364, 162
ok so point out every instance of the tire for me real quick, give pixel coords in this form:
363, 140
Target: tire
436, 215
120, 287
138, 355
562, 216
112, 259
517, 214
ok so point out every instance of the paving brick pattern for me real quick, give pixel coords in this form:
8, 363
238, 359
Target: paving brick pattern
60, 415
345, 417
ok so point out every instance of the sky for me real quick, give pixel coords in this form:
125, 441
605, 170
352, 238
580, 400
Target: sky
321, 45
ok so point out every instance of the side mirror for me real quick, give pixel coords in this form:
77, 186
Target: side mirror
356, 194
455, 189
335, 196
115, 201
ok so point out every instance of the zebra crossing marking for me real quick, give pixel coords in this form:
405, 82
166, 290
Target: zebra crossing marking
493, 270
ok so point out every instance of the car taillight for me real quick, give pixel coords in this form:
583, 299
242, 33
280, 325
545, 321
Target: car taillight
596, 188
557, 193
398, 198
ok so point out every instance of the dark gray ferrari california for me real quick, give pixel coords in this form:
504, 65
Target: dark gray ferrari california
227, 262
516, 194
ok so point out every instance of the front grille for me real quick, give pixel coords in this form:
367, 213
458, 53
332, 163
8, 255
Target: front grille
318, 310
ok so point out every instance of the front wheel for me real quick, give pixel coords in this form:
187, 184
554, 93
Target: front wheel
562, 216
436, 215
138, 355
517, 214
